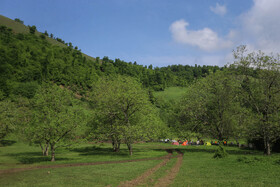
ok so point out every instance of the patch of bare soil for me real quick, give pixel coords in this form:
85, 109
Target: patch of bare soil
141, 179
16, 170
170, 176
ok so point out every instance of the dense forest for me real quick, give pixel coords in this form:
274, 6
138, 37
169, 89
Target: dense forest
55, 94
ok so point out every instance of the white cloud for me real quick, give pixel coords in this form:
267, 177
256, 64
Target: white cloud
206, 39
219, 9
261, 26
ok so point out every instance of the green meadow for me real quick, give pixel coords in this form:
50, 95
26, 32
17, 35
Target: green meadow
243, 167
171, 93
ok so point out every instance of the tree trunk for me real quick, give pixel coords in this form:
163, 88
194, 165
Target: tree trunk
113, 144
53, 152
116, 144
43, 152
46, 152
129, 146
267, 148
116, 147
45, 149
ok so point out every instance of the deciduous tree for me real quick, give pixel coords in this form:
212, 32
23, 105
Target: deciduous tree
123, 112
211, 106
56, 116
260, 88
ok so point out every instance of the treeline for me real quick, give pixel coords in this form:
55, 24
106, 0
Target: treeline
27, 60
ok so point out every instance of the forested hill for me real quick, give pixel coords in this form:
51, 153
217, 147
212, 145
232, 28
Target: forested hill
28, 58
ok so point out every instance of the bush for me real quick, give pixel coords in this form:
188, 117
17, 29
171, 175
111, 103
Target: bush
18, 20
26, 89
220, 153
32, 29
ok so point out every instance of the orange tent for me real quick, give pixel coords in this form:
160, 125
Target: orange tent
185, 143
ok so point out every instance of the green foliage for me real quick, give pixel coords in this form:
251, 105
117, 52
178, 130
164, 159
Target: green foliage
46, 33
123, 112
260, 93
18, 20
2, 96
25, 89
43, 36
32, 29
210, 107
33, 58
8, 116
55, 119
220, 153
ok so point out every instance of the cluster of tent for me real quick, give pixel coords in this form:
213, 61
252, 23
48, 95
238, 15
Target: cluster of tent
186, 143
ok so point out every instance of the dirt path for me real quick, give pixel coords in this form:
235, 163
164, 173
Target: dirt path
140, 180
170, 176
15, 170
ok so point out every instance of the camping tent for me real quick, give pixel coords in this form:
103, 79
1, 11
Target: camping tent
175, 143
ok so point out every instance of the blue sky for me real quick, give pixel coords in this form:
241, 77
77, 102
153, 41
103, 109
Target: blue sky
158, 32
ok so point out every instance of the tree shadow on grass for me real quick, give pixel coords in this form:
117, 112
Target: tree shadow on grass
94, 150
33, 157
106, 151
4, 143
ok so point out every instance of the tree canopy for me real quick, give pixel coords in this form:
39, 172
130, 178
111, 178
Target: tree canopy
123, 111
55, 118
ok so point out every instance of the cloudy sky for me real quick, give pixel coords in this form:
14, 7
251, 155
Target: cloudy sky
158, 32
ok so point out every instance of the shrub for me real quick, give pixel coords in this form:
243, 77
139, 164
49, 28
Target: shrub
220, 153
250, 160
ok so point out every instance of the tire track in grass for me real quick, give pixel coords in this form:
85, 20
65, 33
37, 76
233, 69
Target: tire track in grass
141, 179
170, 176
16, 170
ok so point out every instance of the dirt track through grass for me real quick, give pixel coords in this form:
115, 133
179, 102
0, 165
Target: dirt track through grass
141, 179
15, 170
164, 181
170, 176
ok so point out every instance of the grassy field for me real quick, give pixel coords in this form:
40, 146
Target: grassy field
99, 175
241, 168
18, 155
171, 93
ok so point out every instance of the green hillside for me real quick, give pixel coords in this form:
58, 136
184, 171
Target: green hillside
21, 28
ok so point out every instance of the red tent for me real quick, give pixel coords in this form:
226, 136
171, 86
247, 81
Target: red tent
175, 143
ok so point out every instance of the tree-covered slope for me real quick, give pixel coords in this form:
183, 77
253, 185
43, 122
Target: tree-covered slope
28, 57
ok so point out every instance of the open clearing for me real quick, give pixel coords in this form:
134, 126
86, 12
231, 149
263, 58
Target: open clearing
153, 164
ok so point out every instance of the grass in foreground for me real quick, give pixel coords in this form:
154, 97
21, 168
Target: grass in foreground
240, 168
199, 168
99, 175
